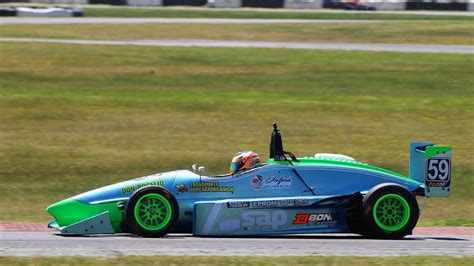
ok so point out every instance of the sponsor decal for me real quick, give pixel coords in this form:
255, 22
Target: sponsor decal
264, 204
438, 184
294, 202
278, 182
241, 204
271, 182
257, 182
204, 187
255, 220
315, 218
182, 188
268, 203
129, 189
263, 220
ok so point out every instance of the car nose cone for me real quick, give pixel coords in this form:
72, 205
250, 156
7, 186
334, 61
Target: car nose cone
69, 211
64, 212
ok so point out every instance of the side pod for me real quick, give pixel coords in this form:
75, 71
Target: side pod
295, 215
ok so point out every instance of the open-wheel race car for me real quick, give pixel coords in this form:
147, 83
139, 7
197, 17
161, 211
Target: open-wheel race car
327, 193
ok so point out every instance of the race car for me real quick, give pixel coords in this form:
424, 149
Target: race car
324, 193
347, 5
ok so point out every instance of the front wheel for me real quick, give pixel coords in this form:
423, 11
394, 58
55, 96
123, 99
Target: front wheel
389, 211
151, 212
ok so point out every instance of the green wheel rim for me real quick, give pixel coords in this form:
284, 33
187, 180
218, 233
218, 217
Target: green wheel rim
391, 212
153, 212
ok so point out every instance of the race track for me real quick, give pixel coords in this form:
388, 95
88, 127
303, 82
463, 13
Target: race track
49, 244
82, 20
375, 47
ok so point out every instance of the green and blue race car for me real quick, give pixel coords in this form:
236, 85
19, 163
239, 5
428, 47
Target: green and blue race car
325, 193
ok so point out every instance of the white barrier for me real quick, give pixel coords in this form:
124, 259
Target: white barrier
144, 2
386, 4
224, 3
304, 4
78, 2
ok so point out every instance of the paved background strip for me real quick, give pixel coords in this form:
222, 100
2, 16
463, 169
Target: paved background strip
49, 244
20, 20
438, 230
406, 48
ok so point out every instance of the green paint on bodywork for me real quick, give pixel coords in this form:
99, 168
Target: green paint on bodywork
69, 211
342, 163
437, 150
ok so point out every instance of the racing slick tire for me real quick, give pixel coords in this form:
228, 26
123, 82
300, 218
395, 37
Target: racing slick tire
151, 212
389, 211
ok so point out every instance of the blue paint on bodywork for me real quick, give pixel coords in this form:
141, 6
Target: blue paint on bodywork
123, 190
330, 180
274, 181
269, 216
267, 181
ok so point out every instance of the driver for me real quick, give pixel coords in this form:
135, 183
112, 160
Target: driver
244, 160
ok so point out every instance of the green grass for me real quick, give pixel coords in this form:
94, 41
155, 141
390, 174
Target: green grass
249, 13
76, 117
241, 260
438, 32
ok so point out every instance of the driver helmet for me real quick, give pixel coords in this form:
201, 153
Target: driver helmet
244, 160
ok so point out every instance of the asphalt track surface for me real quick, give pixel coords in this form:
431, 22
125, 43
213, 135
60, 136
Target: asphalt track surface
405, 48
79, 20
50, 244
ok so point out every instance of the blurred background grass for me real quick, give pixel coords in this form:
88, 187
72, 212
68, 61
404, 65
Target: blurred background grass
416, 32
239, 260
248, 13
76, 117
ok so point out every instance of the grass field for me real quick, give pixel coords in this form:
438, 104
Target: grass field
75, 117
253, 13
216, 260
425, 32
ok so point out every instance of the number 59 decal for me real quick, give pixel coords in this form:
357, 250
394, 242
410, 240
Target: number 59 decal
438, 172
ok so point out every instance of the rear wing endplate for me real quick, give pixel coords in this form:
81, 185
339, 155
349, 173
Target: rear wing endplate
431, 165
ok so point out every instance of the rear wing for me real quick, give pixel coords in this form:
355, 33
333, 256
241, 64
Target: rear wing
431, 165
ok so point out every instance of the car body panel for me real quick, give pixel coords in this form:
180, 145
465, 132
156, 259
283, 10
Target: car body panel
268, 216
308, 177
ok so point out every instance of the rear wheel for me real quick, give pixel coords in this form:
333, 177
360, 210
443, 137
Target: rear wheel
389, 211
151, 212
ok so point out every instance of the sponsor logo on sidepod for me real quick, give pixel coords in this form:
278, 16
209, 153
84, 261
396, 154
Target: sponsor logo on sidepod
255, 220
315, 218
277, 182
271, 182
264, 220
257, 182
